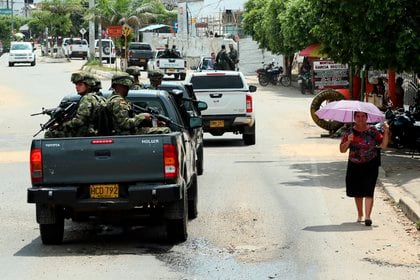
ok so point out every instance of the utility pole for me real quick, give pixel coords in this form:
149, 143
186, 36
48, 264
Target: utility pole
92, 31
13, 24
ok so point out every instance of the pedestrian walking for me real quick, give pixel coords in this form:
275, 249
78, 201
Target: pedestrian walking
364, 142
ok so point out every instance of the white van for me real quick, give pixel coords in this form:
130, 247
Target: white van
21, 52
108, 50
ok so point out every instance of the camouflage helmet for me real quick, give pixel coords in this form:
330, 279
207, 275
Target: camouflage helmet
122, 79
133, 70
84, 77
155, 75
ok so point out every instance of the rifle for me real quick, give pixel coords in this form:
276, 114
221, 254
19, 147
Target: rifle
155, 113
44, 111
58, 116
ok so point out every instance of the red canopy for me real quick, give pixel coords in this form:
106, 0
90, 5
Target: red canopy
311, 51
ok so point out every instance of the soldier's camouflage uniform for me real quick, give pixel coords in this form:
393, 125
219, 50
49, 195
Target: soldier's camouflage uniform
135, 72
81, 124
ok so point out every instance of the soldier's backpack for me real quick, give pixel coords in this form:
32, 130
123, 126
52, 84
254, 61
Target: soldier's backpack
101, 118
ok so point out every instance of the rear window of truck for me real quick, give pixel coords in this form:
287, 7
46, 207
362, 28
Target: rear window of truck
211, 82
142, 47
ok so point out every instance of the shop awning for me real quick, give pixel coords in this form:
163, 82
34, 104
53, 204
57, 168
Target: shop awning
312, 50
154, 27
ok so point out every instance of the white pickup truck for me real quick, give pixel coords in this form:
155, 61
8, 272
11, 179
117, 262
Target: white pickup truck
76, 47
229, 100
176, 66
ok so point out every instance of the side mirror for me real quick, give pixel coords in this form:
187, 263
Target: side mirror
201, 105
196, 122
252, 88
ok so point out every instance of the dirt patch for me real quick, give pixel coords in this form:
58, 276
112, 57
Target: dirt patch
14, 156
10, 97
313, 150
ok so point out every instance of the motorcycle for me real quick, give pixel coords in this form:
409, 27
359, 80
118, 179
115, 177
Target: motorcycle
271, 73
305, 83
404, 133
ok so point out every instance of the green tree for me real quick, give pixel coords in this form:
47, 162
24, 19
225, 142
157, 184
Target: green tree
6, 27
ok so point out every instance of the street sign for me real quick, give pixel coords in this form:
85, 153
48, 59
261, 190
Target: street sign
5, 11
126, 30
114, 31
82, 31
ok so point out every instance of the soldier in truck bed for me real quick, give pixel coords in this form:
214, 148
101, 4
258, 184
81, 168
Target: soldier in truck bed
121, 110
81, 124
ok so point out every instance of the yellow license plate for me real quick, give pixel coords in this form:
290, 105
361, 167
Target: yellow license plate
171, 70
104, 191
217, 123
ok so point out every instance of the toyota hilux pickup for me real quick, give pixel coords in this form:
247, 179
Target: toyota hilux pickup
229, 101
169, 65
117, 178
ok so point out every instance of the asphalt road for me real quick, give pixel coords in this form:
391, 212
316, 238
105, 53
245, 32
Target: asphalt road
276, 210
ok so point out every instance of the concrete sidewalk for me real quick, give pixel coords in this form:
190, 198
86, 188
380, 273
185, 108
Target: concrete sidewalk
400, 177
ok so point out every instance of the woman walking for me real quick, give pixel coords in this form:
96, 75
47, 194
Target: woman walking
364, 142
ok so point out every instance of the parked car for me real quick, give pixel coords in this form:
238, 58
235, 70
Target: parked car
108, 50
21, 52
139, 54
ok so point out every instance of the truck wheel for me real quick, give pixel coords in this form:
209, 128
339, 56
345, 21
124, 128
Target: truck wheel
52, 234
192, 199
176, 76
327, 95
200, 160
33, 63
11, 64
249, 135
182, 76
177, 228
249, 139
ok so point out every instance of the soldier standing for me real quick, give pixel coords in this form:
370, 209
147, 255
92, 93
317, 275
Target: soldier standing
223, 60
234, 57
135, 72
82, 123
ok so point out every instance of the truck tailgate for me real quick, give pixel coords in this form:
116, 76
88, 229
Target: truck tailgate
223, 102
102, 160
171, 63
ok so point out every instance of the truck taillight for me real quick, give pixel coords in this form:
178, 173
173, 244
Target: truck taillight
248, 103
185, 64
36, 165
170, 160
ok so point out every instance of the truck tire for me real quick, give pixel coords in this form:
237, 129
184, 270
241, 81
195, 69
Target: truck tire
200, 160
249, 136
327, 95
177, 228
193, 199
52, 234
106, 50
176, 76
182, 76
11, 64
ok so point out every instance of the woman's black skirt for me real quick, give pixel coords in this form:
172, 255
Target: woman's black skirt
361, 178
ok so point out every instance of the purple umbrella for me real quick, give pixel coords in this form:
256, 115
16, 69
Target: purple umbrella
343, 111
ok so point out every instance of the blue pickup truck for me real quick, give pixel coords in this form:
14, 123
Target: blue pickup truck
117, 178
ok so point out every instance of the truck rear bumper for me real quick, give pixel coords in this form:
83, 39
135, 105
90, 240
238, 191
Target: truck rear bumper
229, 123
136, 195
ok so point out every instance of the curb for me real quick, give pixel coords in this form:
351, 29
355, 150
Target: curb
409, 207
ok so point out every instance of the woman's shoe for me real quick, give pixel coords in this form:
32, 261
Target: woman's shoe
360, 219
368, 222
